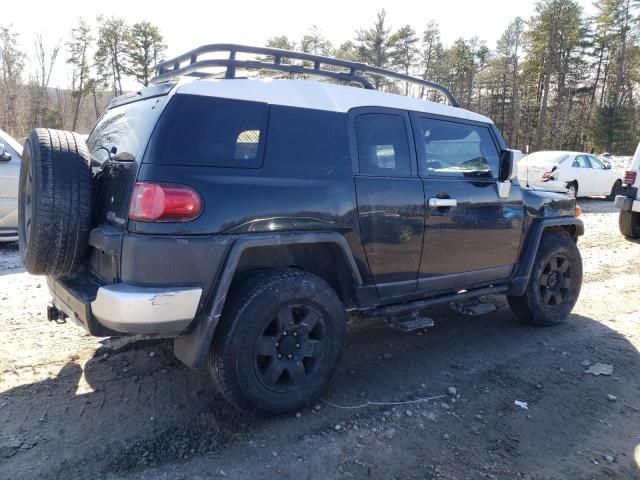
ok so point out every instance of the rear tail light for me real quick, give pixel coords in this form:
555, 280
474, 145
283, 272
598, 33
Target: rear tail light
630, 177
546, 176
162, 202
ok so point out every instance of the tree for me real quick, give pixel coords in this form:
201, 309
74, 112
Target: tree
41, 111
555, 34
508, 51
283, 42
373, 45
144, 49
79, 46
110, 51
404, 51
314, 42
431, 60
12, 61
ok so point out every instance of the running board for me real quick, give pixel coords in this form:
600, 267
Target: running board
398, 309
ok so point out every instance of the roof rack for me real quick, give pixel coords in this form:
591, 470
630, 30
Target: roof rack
188, 64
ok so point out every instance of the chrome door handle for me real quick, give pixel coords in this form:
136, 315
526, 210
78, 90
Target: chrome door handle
443, 202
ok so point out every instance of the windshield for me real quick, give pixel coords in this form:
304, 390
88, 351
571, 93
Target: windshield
546, 157
123, 132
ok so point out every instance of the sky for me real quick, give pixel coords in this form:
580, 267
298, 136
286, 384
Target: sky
186, 24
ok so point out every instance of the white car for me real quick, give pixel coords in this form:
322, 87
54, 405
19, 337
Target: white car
10, 155
581, 174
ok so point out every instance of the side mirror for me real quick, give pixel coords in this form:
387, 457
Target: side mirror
509, 164
607, 166
4, 155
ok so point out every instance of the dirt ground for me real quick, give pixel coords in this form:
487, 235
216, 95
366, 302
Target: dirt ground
70, 408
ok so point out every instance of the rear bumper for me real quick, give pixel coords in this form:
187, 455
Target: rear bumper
120, 308
8, 236
627, 204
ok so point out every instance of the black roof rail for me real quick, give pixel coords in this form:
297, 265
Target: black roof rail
188, 64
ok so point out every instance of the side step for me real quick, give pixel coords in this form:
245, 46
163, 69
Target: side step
411, 322
399, 309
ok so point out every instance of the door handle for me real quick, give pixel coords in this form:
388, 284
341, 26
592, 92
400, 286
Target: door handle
443, 202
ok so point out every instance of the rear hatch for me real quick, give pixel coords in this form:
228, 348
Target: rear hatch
117, 144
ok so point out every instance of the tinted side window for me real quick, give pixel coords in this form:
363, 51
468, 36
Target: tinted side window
452, 149
206, 131
306, 142
383, 147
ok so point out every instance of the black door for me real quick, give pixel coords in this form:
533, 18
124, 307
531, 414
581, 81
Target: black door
472, 236
390, 198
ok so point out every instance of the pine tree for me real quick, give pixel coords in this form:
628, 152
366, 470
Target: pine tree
144, 49
314, 42
404, 51
373, 45
110, 52
79, 45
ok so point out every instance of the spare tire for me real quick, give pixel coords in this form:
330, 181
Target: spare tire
54, 202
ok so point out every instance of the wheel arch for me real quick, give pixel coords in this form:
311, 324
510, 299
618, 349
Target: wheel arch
571, 226
306, 251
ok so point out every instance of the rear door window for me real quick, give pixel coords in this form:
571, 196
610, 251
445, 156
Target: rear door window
207, 131
383, 146
581, 161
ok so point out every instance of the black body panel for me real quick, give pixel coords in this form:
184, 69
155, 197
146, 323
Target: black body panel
300, 177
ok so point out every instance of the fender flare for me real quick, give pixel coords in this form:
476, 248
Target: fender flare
193, 347
520, 278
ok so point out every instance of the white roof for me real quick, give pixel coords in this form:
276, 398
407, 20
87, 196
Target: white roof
317, 95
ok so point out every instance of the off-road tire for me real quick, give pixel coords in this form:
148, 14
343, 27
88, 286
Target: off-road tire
237, 361
629, 223
614, 190
531, 307
54, 202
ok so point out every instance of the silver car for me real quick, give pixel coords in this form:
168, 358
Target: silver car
10, 154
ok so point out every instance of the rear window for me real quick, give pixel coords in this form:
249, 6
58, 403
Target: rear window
206, 131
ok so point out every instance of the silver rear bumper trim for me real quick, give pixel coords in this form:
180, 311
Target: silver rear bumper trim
132, 309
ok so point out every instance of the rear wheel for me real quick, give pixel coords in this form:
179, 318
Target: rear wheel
554, 284
279, 341
614, 191
629, 224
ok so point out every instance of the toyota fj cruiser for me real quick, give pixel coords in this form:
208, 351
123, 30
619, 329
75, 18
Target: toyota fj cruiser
628, 199
248, 218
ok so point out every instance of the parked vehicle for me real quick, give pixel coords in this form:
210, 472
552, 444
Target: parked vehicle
248, 218
628, 200
10, 152
582, 174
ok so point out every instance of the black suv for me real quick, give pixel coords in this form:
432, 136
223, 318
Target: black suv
249, 218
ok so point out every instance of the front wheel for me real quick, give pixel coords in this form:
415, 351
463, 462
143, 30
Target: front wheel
554, 284
279, 341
